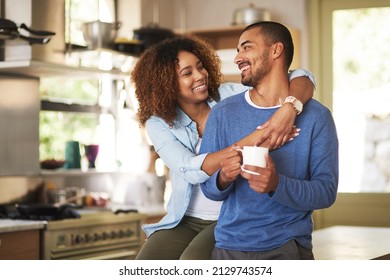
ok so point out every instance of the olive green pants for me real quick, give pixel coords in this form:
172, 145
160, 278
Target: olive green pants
191, 239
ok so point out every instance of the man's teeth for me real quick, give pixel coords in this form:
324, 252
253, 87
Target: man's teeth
244, 68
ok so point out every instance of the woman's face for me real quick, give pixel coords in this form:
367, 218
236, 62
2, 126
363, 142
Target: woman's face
192, 79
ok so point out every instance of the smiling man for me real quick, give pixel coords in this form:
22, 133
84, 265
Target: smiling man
268, 216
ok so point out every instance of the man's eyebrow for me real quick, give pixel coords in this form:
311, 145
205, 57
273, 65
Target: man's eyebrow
244, 43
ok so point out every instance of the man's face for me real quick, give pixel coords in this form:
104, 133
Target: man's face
252, 57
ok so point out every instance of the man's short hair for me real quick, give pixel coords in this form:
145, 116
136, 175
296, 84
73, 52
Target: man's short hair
274, 32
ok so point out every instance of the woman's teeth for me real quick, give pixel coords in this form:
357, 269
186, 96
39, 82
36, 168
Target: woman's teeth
199, 88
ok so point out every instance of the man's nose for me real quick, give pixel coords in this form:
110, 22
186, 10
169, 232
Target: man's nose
237, 58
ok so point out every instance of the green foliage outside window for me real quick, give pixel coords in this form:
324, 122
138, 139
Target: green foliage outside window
57, 127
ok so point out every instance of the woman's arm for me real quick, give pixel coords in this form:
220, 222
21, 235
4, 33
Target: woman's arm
277, 129
172, 146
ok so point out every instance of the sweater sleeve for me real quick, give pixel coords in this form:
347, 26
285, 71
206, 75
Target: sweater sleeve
319, 188
211, 143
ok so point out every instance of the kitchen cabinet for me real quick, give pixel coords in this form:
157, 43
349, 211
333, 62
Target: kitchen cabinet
20, 245
19, 126
20, 239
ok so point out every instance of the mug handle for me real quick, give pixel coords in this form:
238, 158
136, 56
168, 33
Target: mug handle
242, 168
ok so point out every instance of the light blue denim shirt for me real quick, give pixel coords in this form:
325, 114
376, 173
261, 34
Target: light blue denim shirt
176, 147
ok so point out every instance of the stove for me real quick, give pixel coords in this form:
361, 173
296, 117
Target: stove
95, 235
81, 234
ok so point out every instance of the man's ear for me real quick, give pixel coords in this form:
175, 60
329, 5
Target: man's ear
277, 50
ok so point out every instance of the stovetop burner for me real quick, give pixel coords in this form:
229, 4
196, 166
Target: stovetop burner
41, 212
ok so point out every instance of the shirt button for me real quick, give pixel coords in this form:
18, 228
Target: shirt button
181, 169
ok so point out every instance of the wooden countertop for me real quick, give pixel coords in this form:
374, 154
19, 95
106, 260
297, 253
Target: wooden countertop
351, 243
8, 225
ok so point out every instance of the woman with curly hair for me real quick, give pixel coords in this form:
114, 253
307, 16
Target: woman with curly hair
177, 82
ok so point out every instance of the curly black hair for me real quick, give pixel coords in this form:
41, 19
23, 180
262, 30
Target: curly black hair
155, 79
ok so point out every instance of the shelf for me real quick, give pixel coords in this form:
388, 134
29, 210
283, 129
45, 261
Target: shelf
38, 69
221, 38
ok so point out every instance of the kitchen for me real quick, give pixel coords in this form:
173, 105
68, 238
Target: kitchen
32, 181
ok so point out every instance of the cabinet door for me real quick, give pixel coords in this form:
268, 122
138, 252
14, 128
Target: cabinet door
19, 126
19, 245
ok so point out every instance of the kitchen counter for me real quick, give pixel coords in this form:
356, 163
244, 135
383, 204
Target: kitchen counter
8, 225
351, 243
151, 210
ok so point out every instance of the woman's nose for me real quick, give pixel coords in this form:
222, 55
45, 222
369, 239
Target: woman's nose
199, 75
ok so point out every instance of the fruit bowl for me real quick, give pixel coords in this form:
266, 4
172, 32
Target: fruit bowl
52, 164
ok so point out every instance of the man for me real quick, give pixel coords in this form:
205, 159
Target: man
268, 216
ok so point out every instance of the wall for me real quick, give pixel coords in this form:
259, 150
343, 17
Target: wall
204, 14
356, 209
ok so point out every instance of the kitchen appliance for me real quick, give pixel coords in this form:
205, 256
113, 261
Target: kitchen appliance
152, 34
249, 15
10, 30
96, 235
80, 234
100, 34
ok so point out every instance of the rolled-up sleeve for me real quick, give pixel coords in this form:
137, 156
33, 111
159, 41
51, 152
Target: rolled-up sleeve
302, 73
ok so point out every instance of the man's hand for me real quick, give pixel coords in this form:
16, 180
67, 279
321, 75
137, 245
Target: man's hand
266, 181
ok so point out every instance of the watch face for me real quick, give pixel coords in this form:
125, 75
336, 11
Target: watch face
298, 105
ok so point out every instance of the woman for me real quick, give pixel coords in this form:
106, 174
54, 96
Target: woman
176, 84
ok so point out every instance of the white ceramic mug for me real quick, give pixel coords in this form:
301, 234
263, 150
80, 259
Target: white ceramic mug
253, 155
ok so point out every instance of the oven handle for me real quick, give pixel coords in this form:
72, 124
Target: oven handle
114, 256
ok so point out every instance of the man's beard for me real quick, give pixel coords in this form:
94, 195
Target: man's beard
261, 71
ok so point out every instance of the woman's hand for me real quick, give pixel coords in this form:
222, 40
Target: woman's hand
279, 129
230, 167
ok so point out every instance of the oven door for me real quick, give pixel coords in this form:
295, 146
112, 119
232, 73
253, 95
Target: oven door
99, 237
113, 251
117, 252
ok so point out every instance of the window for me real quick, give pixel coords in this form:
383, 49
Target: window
353, 62
92, 111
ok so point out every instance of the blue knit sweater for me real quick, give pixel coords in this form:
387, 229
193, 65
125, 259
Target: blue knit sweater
308, 177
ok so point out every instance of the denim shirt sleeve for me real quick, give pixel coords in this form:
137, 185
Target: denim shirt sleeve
301, 73
178, 155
